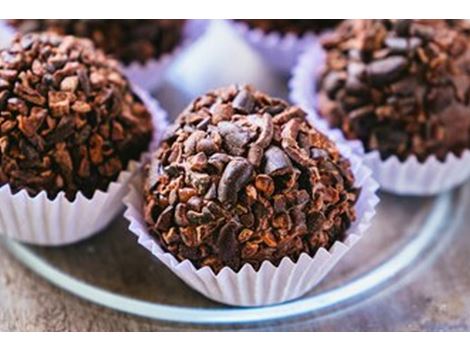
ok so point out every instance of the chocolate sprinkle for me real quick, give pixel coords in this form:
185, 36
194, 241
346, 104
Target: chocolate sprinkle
127, 40
69, 121
270, 186
402, 87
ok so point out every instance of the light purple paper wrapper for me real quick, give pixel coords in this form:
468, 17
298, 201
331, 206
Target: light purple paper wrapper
6, 33
409, 177
151, 74
270, 284
280, 51
41, 221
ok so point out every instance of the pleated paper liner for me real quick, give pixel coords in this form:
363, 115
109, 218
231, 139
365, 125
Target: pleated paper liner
279, 50
151, 74
270, 284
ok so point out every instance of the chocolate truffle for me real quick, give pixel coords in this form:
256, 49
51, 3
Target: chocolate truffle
68, 118
402, 87
298, 27
127, 40
242, 178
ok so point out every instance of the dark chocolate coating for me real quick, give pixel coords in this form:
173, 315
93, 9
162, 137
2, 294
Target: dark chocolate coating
243, 178
68, 118
126, 40
402, 87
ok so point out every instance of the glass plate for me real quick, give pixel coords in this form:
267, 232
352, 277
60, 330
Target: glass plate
112, 270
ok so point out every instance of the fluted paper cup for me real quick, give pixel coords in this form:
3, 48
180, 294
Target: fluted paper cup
408, 177
41, 221
412, 177
151, 74
6, 33
270, 284
279, 50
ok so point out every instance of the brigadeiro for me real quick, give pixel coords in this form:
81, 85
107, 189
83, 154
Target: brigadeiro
70, 127
280, 41
243, 187
126, 40
401, 88
138, 43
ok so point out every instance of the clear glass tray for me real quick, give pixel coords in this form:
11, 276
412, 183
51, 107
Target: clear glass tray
112, 270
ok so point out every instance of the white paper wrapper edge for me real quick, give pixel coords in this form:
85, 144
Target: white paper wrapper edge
38, 220
409, 177
270, 284
279, 50
151, 75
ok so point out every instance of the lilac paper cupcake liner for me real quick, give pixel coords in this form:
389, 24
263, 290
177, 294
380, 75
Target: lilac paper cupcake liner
408, 177
151, 74
279, 50
270, 284
41, 221
6, 33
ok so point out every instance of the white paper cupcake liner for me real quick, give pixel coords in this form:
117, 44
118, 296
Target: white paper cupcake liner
41, 221
6, 33
279, 50
408, 177
151, 74
270, 284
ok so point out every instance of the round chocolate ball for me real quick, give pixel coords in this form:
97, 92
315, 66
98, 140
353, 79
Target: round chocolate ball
402, 87
296, 26
126, 40
243, 178
68, 118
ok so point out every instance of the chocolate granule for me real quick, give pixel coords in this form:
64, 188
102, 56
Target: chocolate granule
68, 119
127, 40
242, 178
402, 87
292, 26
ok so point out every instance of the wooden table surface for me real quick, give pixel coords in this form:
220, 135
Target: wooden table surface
433, 295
